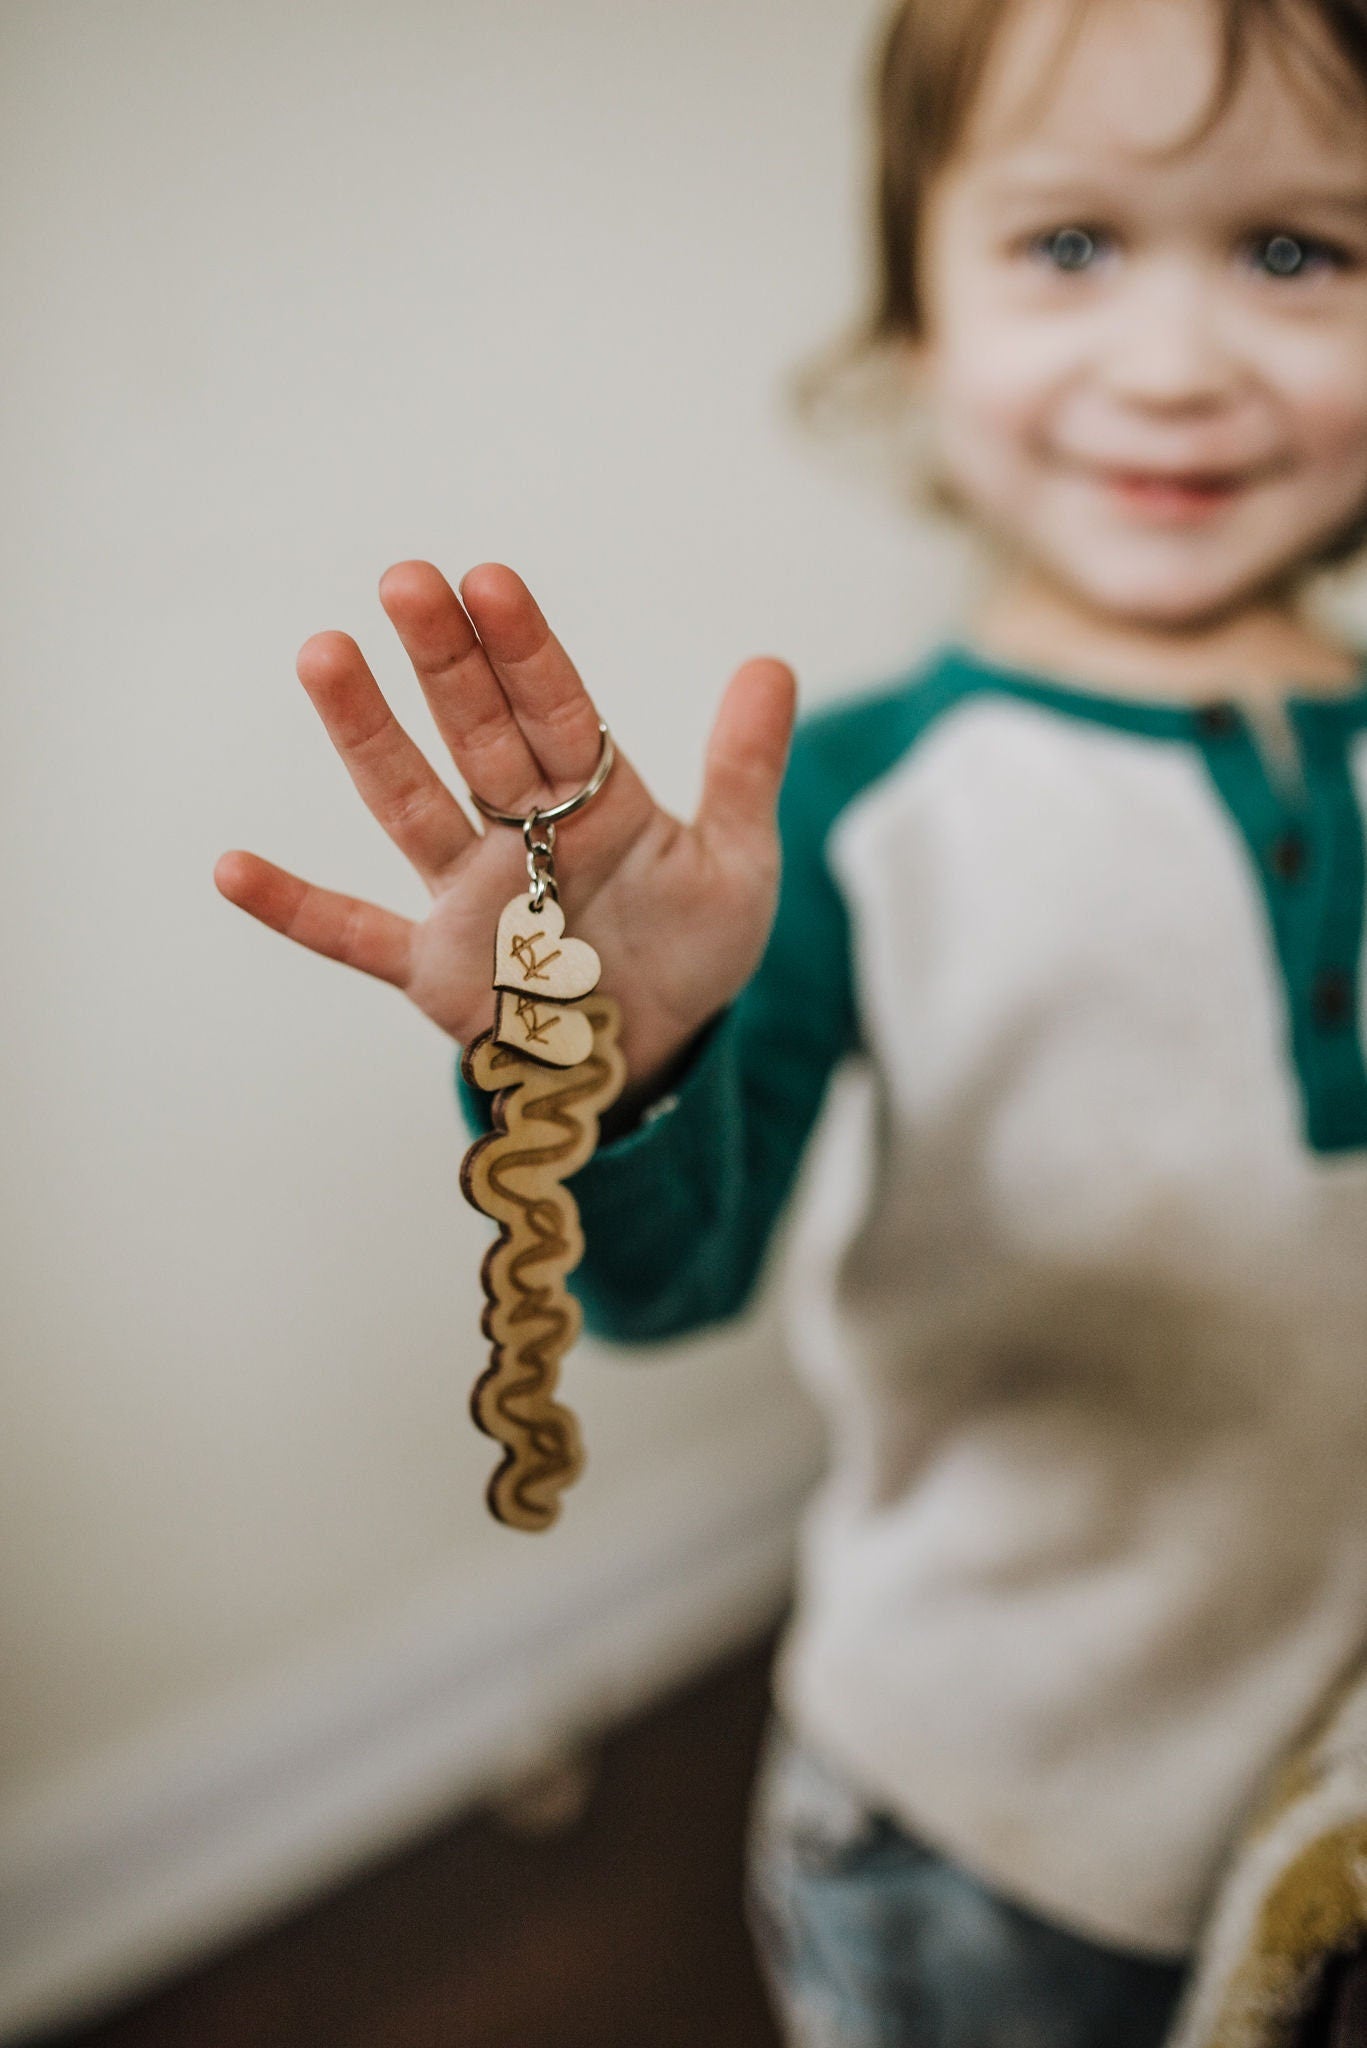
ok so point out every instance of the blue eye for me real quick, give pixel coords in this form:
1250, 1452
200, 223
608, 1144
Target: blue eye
1284, 255
1069, 248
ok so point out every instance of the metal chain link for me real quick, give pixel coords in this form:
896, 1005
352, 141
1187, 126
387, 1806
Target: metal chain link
540, 859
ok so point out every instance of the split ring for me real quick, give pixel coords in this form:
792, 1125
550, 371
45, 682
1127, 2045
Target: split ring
606, 756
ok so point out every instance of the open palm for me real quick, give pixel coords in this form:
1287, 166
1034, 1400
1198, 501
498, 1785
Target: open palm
677, 913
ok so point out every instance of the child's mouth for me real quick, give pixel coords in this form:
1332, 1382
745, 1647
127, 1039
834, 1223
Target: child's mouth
1171, 497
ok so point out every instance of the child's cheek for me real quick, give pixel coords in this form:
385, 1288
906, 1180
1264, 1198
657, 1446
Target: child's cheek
1318, 383
991, 419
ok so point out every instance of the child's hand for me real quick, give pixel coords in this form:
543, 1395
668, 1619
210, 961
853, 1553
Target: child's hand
678, 913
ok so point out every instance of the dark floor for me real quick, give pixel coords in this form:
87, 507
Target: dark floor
620, 1929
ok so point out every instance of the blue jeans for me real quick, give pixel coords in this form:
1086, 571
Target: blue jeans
870, 1939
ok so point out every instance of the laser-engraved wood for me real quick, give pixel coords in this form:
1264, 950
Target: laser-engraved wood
533, 956
557, 1033
545, 1128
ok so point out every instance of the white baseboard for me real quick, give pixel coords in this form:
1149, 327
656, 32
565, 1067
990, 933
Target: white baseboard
129, 1872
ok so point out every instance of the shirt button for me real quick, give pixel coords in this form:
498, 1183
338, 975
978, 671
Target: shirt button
1217, 721
1287, 856
1331, 998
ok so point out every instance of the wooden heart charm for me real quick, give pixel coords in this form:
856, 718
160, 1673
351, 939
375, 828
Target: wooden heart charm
533, 956
559, 1034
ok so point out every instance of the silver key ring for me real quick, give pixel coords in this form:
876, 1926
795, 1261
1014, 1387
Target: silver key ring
607, 755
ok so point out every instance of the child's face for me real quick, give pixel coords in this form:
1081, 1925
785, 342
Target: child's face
1147, 377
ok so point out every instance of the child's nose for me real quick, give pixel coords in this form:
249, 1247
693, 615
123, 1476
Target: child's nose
1166, 349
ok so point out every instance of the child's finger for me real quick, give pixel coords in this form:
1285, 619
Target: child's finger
397, 783
540, 682
748, 749
466, 698
345, 928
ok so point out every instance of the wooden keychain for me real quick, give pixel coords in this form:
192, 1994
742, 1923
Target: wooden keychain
553, 1066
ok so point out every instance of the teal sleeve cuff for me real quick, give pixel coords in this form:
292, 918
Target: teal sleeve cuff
687, 1097
475, 1102
648, 1199
656, 1263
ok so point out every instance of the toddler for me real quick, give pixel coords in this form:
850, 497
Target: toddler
1079, 904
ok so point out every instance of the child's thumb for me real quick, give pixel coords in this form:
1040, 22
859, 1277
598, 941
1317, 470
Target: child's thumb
748, 749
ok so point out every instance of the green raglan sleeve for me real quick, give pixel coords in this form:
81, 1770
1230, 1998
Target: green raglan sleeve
679, 1212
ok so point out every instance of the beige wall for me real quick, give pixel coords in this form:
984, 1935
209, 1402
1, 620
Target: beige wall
293, 293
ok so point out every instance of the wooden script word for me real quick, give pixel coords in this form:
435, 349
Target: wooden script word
545, 1128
